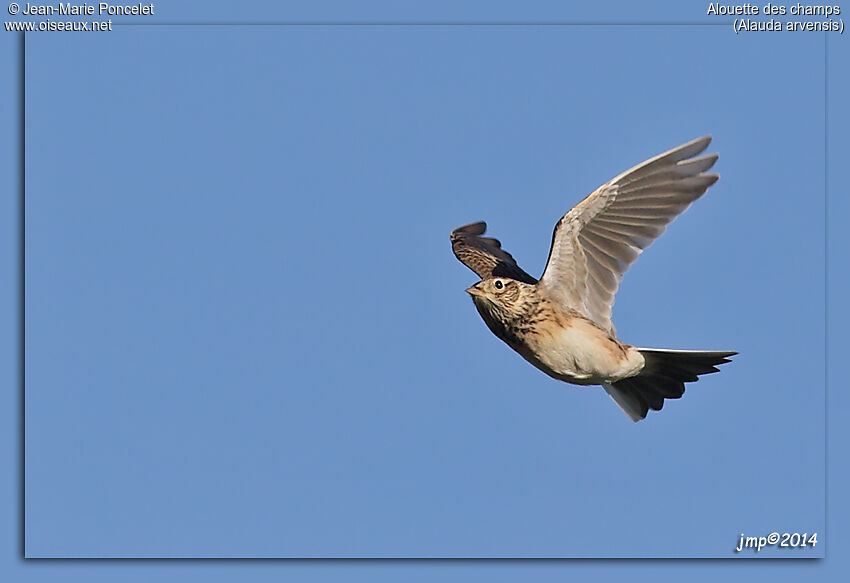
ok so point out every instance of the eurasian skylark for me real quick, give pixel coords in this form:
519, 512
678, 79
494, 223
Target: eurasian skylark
562, 323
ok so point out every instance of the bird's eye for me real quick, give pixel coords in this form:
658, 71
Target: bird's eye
499, 284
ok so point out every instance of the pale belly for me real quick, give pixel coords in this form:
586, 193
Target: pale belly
581, 354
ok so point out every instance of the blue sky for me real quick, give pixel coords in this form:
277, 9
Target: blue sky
247, 336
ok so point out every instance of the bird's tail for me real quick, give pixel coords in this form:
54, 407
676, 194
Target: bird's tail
663, 377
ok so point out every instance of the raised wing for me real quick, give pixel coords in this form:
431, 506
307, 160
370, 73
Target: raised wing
597, 241
484, 255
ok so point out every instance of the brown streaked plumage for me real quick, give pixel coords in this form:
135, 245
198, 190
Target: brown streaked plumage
562, 323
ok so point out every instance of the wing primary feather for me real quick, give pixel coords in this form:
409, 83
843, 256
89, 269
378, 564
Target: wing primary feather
605, 233
484, 255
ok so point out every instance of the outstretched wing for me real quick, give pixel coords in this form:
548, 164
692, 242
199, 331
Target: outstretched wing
484, 255
597, 241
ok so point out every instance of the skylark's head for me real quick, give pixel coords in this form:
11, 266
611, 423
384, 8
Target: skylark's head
501, 295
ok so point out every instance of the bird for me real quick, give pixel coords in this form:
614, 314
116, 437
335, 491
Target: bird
562, 323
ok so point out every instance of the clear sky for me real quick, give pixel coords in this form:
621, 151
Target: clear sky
246, 335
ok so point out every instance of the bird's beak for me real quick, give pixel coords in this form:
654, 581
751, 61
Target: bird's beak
474, 291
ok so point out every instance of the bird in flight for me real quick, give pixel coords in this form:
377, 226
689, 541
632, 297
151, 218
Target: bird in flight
562, 323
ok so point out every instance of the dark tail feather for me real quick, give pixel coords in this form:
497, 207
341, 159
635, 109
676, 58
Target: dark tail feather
663, 377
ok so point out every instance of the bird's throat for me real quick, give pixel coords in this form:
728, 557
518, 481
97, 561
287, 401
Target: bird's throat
498, 320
